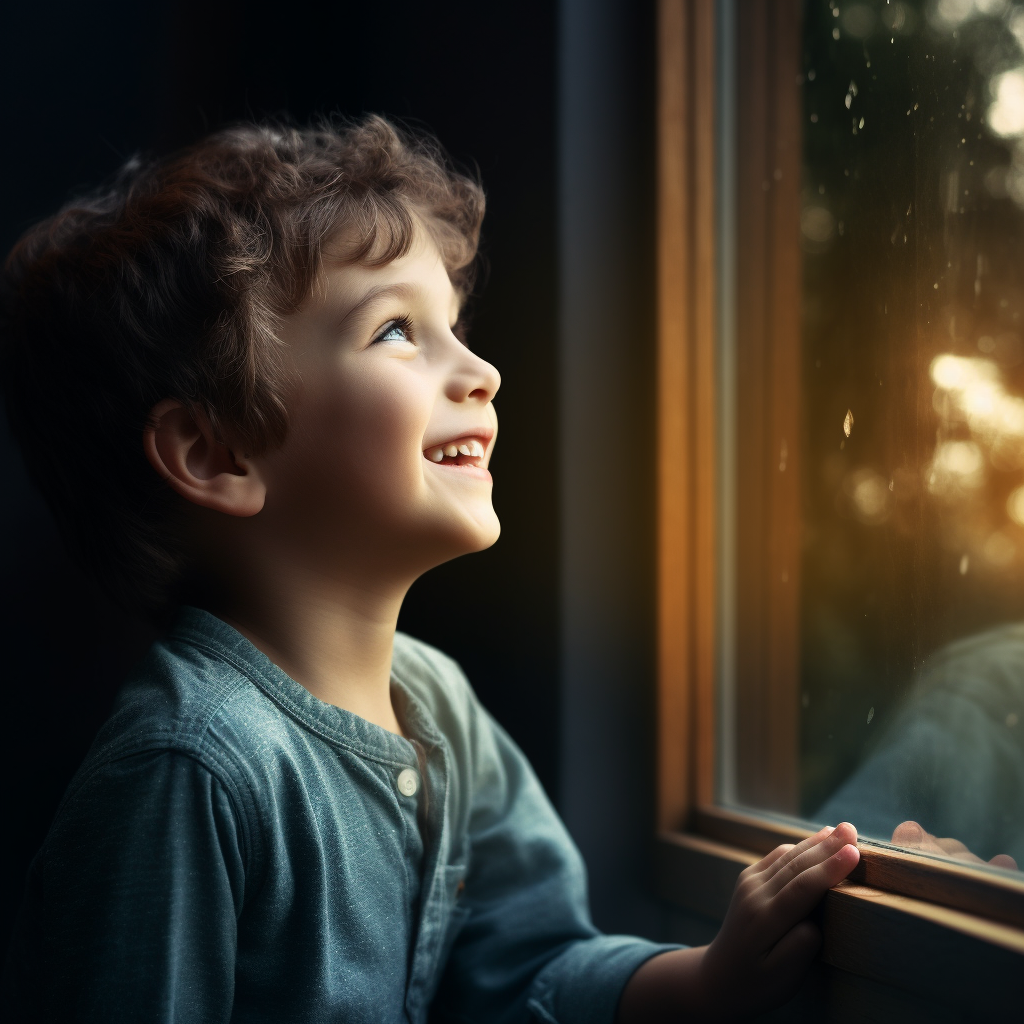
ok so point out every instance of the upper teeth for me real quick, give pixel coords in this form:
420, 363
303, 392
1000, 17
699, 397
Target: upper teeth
471, 447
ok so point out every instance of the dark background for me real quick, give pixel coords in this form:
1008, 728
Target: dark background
89, 85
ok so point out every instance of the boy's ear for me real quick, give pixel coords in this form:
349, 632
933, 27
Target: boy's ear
182, 448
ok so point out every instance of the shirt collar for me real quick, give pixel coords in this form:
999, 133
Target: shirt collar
203, 630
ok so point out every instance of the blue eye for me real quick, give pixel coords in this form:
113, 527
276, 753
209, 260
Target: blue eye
395, 333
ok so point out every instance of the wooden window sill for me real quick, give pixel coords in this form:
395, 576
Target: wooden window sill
881, 941
982, 892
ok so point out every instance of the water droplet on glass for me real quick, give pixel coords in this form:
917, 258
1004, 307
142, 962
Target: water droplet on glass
965, 564
871, 714
848, 423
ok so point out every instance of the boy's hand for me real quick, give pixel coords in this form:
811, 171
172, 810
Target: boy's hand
765, 944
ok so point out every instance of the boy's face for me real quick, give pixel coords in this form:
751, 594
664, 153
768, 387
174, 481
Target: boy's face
386, 390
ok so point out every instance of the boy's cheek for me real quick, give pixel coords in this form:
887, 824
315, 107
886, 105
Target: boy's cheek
361, 427
334, 469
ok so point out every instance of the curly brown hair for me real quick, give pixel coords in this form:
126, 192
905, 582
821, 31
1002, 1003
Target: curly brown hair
171, 283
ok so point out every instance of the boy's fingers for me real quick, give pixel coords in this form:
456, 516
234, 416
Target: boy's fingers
800, 895
767, 861
842, 835
790, 854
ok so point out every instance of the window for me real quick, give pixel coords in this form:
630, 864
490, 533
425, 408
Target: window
841, 519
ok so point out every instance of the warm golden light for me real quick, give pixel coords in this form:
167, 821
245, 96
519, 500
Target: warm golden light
1015, 506
956, 466
1006, 114
956, 373
970, 389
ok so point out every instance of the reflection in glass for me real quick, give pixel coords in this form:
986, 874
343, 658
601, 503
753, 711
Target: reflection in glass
911, 606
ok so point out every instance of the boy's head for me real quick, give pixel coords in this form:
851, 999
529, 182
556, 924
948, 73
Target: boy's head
193, 284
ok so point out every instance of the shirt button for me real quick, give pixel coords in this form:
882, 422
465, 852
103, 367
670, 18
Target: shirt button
408, 782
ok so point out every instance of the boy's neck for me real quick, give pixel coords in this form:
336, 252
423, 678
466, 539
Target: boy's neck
336, 640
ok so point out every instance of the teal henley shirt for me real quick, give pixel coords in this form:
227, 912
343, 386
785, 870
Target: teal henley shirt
233, 849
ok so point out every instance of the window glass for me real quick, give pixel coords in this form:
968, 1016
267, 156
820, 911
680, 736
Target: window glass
905, 647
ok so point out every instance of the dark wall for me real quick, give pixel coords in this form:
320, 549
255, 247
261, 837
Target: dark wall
91, 90
609, 440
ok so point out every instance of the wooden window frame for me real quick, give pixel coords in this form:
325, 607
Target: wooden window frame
904, 926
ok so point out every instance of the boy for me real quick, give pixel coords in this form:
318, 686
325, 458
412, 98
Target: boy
294, 813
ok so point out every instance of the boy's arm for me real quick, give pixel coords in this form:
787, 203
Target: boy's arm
130, 909
764, 947
526, 950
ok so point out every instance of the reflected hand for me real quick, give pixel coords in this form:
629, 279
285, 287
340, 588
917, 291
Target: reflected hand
912, 836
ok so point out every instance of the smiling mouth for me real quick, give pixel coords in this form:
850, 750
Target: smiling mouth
466, 451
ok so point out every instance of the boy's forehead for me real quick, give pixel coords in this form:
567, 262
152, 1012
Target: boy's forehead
420, 274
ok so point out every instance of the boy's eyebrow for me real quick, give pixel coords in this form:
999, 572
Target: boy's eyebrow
402, 290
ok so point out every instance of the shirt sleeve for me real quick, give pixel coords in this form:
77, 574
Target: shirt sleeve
131, 906
528, 950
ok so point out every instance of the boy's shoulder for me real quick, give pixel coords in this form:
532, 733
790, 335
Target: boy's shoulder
190, 695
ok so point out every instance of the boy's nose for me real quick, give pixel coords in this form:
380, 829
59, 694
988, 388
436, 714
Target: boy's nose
475, 378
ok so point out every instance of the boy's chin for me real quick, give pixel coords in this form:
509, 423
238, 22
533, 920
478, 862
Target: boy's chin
489, 535
488, 528
476, 535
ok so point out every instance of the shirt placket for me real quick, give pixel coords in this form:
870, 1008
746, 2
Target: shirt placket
433, 910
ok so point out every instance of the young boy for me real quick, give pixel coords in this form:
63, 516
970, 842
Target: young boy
238, 378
